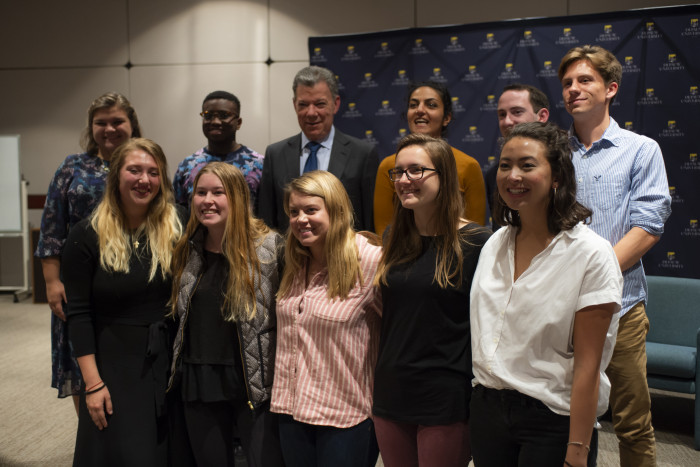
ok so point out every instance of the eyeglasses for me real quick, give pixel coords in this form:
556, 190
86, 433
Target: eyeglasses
412, 173
222, 115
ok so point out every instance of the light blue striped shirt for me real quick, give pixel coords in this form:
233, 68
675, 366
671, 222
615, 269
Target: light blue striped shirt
622, 179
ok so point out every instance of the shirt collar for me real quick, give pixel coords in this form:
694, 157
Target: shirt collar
564, 233
612, 134
324, 142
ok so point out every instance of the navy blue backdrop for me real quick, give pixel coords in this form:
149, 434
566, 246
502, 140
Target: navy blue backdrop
659, 50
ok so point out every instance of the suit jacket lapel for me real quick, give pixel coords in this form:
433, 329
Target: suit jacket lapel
291, 157
340, 153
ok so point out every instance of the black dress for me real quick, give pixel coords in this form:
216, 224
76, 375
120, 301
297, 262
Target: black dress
119, 318
424, 369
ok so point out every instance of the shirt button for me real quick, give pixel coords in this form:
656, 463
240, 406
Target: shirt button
580, 180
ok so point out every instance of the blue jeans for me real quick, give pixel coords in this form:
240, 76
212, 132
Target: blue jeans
305, 445
511, 429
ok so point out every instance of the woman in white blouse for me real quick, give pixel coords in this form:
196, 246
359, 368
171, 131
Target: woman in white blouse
544, 301
328, 318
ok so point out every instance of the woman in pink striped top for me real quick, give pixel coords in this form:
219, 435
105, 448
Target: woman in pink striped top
328, 320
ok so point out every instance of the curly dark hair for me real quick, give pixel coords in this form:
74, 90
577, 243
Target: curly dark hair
563, 212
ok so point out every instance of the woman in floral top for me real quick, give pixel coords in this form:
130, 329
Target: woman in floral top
75, 190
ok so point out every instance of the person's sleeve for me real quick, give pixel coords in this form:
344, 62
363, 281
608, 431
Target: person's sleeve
179, 181
368, 179
650, 200
474, 193
54, 219
78, 267
254, 175
383, 197
266, 207
602, 281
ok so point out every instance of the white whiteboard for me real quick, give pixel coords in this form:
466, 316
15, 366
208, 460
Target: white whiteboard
10, 198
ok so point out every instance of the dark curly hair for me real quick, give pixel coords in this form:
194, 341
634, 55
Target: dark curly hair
563, 211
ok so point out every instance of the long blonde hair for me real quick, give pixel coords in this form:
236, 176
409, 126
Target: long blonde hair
243, 233
403, 242
340, 249
162, 226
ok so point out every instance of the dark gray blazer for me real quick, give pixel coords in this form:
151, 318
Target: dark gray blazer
353, 161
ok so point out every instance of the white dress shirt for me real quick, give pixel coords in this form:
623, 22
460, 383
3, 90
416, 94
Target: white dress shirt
323, 156
522, 331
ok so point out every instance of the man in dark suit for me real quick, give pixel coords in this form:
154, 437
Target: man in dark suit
318, 146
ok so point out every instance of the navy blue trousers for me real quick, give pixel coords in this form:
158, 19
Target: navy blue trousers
305, 445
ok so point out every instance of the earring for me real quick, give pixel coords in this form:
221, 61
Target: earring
555, 190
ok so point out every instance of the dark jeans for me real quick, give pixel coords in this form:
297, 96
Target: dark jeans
305, 445
512, 429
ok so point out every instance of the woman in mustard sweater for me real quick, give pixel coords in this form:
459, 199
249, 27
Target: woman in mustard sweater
429, 111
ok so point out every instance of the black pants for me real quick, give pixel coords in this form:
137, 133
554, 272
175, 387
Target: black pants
210, 430
512, 429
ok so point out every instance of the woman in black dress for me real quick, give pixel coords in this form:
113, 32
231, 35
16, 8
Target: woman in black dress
116, 269
423, 375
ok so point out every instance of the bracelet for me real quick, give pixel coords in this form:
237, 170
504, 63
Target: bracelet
93, 391
93, 386
579, 443
567, 463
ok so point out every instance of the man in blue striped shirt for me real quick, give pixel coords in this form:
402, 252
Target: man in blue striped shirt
621, 176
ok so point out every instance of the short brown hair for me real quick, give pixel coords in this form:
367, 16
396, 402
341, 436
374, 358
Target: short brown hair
538, 99
602, 60
107, 101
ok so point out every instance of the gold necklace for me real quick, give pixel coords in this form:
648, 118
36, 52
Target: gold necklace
135, 241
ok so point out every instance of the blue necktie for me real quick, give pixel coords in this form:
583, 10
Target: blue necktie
312, 161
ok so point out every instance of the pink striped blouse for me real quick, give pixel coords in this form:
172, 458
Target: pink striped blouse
327, 349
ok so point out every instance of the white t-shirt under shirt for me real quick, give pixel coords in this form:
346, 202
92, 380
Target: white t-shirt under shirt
522, 331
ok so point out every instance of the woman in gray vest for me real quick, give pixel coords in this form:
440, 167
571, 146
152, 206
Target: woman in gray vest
225, 277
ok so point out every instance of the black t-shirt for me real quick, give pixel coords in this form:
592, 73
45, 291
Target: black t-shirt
423, 373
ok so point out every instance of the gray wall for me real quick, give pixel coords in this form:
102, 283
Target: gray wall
57, 56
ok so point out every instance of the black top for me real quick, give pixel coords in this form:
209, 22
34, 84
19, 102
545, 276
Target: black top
109, 297
423, 373
212, 367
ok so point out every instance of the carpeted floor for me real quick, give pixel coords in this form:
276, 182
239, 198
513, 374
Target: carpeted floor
37, 429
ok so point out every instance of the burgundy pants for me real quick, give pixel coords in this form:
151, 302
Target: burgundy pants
412, 445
